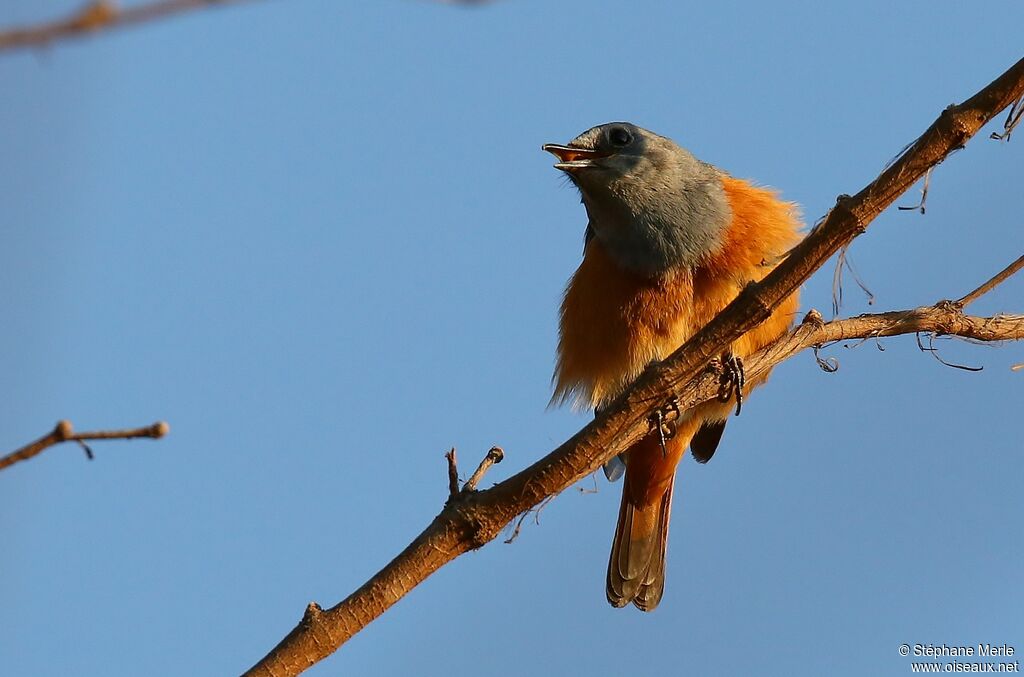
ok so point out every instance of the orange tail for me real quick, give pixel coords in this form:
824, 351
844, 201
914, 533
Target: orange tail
636, 569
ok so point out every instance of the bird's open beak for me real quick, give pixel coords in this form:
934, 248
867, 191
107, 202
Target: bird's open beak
570, 158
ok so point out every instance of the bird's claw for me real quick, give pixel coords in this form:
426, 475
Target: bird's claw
732, 380
663, 420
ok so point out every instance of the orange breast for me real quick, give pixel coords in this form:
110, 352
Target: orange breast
615, 322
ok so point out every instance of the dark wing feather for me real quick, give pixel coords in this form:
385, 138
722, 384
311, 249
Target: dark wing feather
614, 468
705, 442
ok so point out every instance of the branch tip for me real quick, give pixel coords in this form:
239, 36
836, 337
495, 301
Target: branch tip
64, 430
494, 455
313, 611
453, 474
992, 283
813, 317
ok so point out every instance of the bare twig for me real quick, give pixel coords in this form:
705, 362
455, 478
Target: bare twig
64, 432
465, 526
997, 279
453, 474
100, 15
494, 456
941, 319
104, 15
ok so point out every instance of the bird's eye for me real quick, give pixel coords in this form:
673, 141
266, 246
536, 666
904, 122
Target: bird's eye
619, 136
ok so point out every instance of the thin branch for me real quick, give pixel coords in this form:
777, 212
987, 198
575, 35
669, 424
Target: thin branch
494, 456
453, 474
470, 523
997, 279
64, 432
104, 15
100, 15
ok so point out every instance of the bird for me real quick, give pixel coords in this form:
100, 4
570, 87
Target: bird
670, 241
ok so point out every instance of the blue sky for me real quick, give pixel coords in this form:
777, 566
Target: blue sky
320, 240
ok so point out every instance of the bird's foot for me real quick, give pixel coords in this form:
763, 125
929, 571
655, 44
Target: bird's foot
663, 421
732, 380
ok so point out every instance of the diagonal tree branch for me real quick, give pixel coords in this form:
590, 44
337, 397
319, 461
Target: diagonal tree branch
104, 15
64, 432
478, 517
99, 15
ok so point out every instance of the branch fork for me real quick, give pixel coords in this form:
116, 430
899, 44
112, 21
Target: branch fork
494, 456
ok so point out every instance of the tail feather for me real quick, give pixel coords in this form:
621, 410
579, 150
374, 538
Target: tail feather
649, 594
636, 568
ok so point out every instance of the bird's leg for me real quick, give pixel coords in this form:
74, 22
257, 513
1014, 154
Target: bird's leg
664, 421
659, 422
732, 380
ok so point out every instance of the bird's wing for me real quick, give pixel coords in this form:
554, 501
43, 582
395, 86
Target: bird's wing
705, 442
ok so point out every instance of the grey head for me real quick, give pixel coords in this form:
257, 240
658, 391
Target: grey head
652, 205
